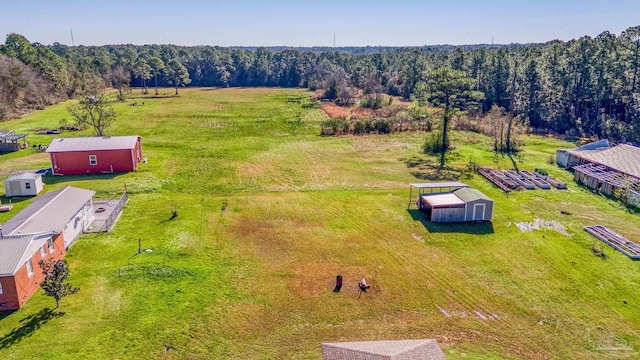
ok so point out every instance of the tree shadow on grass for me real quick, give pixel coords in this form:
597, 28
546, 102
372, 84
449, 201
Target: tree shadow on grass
29, 325
471, 227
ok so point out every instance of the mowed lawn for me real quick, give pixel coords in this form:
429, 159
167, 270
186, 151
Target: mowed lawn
255, 281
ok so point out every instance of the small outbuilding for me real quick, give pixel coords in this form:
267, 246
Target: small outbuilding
464, 204
424, 349
25, 184
478, 206
95, 155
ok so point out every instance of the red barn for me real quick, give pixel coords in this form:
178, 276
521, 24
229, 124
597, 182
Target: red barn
42, 231
95, 155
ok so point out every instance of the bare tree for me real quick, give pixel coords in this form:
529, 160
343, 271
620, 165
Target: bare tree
95, 111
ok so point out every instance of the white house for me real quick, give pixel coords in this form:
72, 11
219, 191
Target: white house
68, 210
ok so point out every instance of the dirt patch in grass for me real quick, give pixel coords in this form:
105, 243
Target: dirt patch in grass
316, 279
251, 169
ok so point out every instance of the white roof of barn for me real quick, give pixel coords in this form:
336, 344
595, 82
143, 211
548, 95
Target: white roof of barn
50, 212
92, 143
386, 349
623, 158
447, 199
15, 250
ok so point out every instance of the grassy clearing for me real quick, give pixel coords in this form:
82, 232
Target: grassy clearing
255, 281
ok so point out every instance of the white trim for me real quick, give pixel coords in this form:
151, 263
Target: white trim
484, 209
95, 159
29, 265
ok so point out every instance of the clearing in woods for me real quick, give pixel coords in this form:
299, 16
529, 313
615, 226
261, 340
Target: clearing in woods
255, 281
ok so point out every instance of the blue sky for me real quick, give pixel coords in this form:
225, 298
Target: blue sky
313, 23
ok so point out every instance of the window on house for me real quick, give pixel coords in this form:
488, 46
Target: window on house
30, 268
43, 252
93, 160
50, 242
27, 185
0, 288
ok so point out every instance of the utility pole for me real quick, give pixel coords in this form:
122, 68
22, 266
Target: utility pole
72, 43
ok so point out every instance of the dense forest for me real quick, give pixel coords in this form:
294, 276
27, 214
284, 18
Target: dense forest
583, 87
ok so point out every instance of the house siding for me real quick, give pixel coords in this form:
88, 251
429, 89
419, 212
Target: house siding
9, 296
17, 289
77, 162
74, 228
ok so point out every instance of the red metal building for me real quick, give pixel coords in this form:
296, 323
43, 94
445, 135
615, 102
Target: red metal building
95, 155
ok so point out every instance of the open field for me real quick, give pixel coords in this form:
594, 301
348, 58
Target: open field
255, 281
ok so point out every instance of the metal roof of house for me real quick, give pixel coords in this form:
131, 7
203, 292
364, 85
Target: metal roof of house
469, 194
15, 250
92, 143
623, 158
446, 199
50, 212
387, 349
435, 185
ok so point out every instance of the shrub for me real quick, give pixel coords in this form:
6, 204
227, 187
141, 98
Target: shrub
382, 126
433, 143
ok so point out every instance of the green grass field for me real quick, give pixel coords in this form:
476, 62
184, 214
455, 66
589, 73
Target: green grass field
256, 281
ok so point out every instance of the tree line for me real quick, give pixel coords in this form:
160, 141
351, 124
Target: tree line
583, 87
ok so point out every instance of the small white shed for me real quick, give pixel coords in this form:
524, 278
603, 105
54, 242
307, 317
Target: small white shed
25, 184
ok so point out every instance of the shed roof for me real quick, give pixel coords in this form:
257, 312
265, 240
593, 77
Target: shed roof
25, 176
389, 349
92, 143
13, 137
435, 185
623, 158
469, 194
50, 212
15, 250
446, 199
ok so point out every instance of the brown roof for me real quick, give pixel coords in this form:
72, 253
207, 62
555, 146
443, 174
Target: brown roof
623, 158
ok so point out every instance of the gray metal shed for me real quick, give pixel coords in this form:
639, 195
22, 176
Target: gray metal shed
478, 206
25, 184
424, 349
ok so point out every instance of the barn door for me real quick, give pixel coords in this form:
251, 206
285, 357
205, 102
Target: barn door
478, 211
